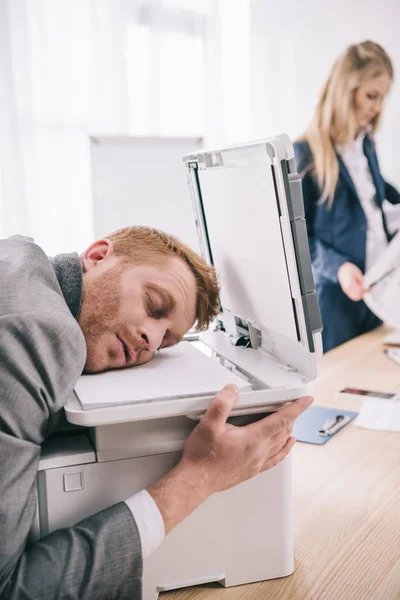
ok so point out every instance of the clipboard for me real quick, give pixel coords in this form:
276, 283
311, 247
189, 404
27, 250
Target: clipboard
319, 424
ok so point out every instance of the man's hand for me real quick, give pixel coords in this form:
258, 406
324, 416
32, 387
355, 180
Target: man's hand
223, 455
218, 455
351, 281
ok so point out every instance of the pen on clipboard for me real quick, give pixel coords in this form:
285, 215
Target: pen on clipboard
333, 425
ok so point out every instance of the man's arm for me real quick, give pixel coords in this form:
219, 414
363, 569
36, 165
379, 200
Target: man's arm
99, 558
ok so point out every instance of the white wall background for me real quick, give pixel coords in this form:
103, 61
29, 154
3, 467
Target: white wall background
293, 46
71, 68
142, 181
225, 70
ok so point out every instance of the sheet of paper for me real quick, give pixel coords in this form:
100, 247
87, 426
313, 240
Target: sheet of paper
384, 276
179, 372
381, 415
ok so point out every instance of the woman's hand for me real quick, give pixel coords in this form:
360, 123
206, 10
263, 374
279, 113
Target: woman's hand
351, 281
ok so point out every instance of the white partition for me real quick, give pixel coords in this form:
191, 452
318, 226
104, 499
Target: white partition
142, 181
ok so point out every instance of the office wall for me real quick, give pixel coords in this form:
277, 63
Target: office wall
142, 181
293, 46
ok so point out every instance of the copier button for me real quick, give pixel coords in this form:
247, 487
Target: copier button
73, 481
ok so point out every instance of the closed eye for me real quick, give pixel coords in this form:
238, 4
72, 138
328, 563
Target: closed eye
159, 302
155, 311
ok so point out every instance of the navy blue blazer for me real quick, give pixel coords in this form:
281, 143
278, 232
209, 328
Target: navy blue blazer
337, 235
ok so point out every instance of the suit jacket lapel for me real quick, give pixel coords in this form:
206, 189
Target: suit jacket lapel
378, 180
343, 172
374, 168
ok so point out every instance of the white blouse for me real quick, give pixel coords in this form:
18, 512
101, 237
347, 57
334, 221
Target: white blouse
356, 163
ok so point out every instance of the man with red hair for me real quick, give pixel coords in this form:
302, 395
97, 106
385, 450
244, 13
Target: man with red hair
127, 296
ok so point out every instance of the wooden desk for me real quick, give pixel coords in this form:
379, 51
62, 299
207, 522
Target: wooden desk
346, 497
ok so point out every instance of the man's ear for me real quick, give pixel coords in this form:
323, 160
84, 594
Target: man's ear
97, 252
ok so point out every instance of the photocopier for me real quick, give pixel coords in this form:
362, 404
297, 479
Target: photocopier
249, 213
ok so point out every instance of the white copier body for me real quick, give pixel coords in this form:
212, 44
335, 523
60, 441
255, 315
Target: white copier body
250, 217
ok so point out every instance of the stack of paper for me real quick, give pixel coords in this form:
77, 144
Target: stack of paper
382, 415
179, 372
383, 279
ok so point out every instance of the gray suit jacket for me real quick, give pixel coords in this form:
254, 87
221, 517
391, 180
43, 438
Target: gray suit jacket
42, 353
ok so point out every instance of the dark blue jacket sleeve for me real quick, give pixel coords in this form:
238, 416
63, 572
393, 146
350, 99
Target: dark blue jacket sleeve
325, 259
392, 195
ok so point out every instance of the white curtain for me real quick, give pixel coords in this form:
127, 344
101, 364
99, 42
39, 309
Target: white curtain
63, 76
74, 68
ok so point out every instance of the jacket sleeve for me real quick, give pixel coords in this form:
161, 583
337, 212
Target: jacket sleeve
326, 260
392, 195
100, 557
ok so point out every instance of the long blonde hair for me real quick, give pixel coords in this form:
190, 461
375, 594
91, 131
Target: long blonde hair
334, 120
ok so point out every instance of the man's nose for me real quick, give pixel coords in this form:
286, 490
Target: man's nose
153, 336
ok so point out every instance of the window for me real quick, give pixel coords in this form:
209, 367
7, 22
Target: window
166, 66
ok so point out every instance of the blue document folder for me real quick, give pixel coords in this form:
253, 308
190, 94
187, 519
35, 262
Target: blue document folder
315, 419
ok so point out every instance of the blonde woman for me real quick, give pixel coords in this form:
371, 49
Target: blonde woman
343, 188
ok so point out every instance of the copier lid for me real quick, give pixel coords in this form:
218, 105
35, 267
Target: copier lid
251, 223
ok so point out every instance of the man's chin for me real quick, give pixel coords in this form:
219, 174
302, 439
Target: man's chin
144, 358
92, 370
95, 364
